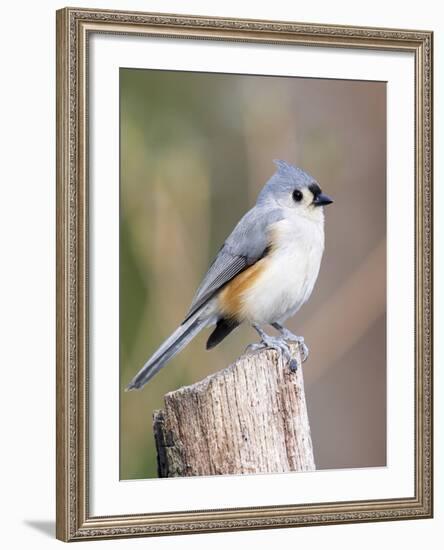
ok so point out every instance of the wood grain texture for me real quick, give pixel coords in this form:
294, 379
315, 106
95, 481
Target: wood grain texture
246, 419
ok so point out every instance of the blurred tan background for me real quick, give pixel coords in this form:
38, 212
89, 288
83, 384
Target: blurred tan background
195, 151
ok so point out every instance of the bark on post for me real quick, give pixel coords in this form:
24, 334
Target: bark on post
248, 418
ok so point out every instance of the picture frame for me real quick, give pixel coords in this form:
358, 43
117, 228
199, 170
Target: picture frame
75, 29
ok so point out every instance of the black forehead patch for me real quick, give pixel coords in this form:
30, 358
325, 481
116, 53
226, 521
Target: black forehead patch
315, 189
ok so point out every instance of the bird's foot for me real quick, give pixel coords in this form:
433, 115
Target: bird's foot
277, 344
288, 335
303, 348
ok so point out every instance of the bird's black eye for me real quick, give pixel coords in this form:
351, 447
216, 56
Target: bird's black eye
297, 195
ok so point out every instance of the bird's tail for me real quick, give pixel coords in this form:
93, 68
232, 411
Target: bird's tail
172, 345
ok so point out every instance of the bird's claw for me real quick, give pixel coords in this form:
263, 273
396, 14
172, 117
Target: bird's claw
303, 348
255, 347
278, 344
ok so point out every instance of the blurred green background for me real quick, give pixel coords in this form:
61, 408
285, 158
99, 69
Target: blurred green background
196, 148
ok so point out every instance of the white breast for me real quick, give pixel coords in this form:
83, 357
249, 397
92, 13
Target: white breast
291, 270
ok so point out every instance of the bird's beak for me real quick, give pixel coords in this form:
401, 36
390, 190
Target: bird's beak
322, 200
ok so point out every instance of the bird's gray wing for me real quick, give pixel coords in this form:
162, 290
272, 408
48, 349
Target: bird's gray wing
246, 245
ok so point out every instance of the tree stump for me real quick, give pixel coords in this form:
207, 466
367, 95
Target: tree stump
246, 419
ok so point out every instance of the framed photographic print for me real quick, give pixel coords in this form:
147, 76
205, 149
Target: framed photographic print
244, 274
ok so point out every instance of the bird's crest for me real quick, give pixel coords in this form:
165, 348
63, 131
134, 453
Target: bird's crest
283, 166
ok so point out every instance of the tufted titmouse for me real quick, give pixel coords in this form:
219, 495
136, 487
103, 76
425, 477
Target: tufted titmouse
264, 272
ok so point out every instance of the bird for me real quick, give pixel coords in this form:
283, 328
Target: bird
264, 272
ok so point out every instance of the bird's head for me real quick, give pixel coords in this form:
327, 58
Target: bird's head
292, 188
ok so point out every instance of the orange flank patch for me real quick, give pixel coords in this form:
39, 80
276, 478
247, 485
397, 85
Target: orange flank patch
231, 296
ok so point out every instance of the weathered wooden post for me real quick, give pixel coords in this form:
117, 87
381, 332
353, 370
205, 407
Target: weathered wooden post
248, 418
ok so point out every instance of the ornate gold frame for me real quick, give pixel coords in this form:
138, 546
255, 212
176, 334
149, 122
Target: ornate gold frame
73, 29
